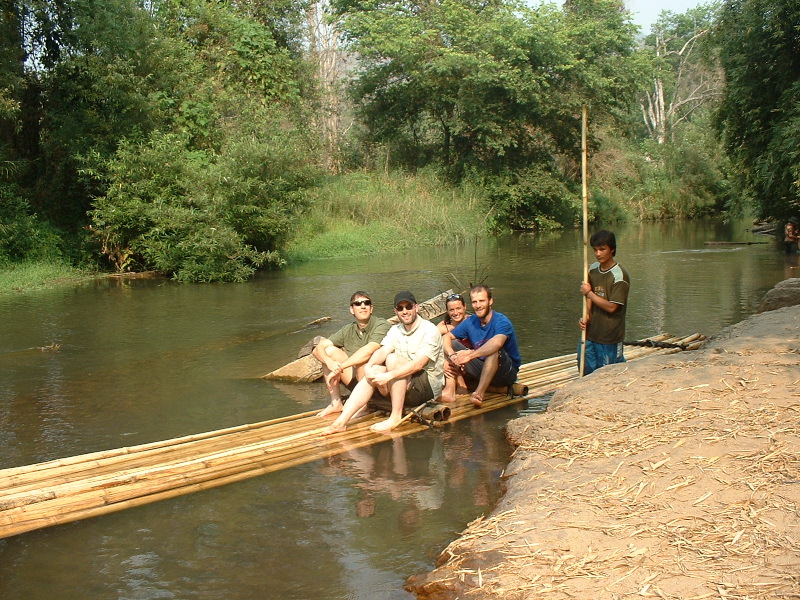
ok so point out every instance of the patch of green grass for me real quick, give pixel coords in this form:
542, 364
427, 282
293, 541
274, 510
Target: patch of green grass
38, 275
363, 213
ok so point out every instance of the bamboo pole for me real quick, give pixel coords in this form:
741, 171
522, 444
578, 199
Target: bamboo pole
585, 196
125, 451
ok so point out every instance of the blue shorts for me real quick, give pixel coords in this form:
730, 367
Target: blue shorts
600, 355
506, 371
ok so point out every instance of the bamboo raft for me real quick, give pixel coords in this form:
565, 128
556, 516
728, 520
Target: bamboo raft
70, 489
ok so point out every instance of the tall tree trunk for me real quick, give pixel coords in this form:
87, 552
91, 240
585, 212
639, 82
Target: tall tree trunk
325, 55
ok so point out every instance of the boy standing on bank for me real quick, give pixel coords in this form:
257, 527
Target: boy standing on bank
606, 295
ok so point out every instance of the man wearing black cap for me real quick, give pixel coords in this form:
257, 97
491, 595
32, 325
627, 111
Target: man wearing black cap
408, 368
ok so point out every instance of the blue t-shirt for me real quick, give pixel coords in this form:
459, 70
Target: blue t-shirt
479, 335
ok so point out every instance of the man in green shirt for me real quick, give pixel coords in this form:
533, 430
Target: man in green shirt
345, 353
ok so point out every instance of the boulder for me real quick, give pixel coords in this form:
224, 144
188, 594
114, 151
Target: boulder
785, 293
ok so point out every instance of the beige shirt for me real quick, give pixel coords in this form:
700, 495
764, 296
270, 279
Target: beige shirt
424, 338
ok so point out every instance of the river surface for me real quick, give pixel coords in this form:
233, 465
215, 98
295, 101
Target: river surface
144, 360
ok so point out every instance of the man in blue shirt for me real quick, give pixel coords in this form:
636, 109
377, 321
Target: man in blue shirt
494, 358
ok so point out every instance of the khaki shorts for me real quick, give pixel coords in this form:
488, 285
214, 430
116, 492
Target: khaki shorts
419, 391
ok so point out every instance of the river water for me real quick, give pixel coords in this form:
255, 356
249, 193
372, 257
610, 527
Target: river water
144, 360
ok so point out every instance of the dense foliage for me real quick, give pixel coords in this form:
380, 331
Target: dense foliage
490, 90
759, 43
207, 139
173, 130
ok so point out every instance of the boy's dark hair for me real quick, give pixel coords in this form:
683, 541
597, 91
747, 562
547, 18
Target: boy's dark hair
604, 238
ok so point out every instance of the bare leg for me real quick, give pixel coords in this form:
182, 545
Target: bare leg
449, 390
490, 365
332, 381
356, 404
334, 407
397, 392
456, 372
461, 385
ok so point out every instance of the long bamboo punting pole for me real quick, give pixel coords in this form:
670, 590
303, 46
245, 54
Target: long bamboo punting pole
98, 483
585, 212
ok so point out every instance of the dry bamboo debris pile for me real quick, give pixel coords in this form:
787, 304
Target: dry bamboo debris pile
719, 520
78, 487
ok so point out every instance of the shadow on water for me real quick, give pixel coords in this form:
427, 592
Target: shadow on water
145, 360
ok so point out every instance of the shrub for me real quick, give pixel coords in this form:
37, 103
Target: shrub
198, 215
532, 199
22, 235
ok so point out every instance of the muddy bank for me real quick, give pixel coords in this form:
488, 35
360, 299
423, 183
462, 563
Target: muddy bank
670, 477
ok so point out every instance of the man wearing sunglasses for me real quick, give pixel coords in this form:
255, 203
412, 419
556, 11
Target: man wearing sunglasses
345, 353
408, 368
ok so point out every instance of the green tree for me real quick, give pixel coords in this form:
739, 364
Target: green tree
759, 43
491, 89
199, 215
212, 196
97, 93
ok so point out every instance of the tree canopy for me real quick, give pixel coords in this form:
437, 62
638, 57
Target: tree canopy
759, 43
493, 89
189, 136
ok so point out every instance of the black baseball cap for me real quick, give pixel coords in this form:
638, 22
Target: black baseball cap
404, 296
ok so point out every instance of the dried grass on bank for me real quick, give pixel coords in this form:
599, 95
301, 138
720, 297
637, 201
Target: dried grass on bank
683, 483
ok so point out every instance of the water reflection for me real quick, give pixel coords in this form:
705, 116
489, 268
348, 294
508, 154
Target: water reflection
145, 360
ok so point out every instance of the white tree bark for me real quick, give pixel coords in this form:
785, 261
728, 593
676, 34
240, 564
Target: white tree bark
695, 85
325, 54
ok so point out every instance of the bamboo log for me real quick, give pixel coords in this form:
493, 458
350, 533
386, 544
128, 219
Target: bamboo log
128, 450
97, 483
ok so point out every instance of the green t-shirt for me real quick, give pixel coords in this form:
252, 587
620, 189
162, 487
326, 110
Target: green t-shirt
613, 285
350, 338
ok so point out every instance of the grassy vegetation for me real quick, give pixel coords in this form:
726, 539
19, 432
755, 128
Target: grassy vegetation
687, 179
361, 213
37, 275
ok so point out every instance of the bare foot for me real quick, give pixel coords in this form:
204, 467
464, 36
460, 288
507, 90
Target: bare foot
332, 408
334, 427
448, 396
462, 389
385, 426
476, 399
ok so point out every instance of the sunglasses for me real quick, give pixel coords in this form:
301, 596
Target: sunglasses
454, 297
361, 303
402, 307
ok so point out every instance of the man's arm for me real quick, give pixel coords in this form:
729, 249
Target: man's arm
361, 356
447, 343
320, 353
405, 370
602, 303
594, 299
492, 345
379, 356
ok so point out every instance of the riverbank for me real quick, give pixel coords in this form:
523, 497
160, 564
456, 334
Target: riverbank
31, 276
675, 476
